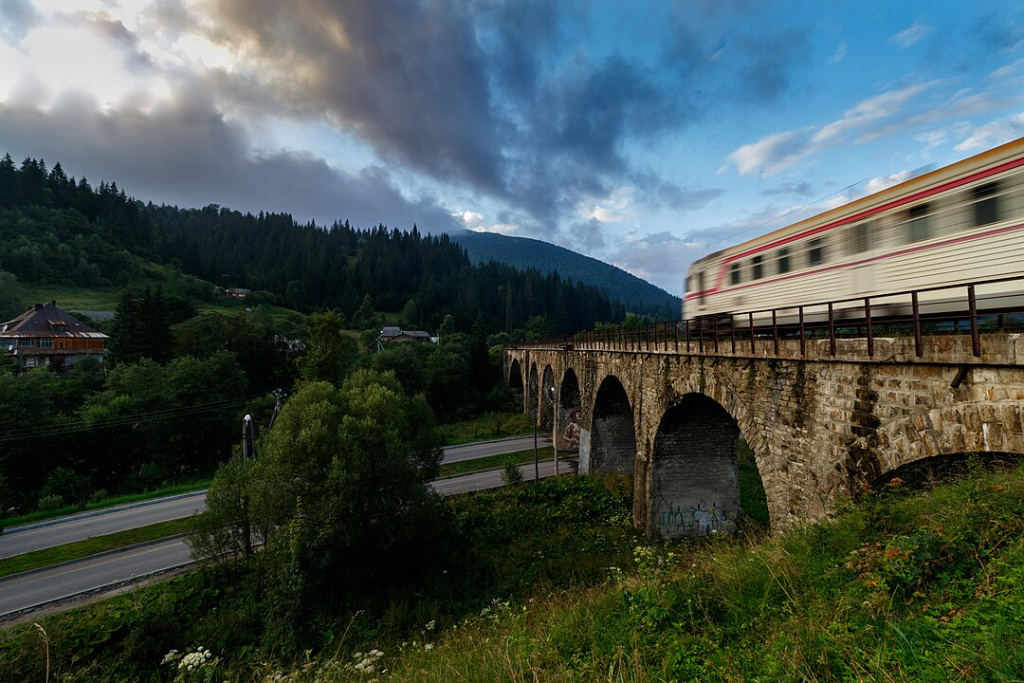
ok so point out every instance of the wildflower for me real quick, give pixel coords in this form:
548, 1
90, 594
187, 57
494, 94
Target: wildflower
428, 647
430, 625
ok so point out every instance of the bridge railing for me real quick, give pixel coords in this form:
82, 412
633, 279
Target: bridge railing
961, 309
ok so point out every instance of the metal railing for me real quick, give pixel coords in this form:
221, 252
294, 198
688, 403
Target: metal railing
970, 308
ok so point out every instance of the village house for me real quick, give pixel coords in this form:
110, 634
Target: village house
45, 336
391, 335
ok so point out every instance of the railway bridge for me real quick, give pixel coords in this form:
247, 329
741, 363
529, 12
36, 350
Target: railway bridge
825, 417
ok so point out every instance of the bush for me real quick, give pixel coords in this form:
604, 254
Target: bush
511, 475
50, 503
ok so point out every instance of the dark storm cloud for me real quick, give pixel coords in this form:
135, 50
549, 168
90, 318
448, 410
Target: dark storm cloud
657, 193
524, 31
187, 154
408, 76
16, 18
766, 61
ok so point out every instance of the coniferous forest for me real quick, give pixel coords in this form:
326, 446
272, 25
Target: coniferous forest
59, 230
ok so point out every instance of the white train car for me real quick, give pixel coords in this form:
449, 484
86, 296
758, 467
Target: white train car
957, 225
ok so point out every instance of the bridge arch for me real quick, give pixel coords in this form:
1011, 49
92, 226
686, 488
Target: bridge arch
613, 432
694, 472
515, 383
569, 405
547, 398
531, 393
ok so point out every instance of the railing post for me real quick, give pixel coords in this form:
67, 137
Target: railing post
750, 320
972, 301
918, 350
675, 334
867, 320
687, 332
732, 332
700, 336
714, 331
803, 340
775, 332
831, 331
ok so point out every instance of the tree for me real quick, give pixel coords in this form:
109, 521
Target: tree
330, 351
339, 494
127, 331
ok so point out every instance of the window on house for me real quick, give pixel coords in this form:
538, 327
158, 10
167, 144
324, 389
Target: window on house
783, 260
986, 204
816, 252
860, 237
757, 267
46, 343
918, 223
734, 274
27, 343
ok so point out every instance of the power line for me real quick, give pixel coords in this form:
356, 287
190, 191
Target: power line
783, 215
123, 420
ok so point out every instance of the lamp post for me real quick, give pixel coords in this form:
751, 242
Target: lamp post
554, 424
536, 460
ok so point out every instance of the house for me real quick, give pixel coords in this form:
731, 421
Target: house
390, 335
45, 336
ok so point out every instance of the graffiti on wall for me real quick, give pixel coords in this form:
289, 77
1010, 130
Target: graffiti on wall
702, 520
571, 433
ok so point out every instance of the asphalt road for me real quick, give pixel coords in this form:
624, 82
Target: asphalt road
483, 449
65, 530
26, 591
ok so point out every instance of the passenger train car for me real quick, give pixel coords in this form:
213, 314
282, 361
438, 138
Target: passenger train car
960, 224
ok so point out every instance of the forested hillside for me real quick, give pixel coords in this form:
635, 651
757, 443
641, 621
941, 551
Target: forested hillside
638, 296
55, 229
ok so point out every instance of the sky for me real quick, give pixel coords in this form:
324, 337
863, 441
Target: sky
645, 133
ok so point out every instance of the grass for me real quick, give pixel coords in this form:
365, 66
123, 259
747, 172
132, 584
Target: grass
904, 585
31, 517
90, 546
494, 461
487, 427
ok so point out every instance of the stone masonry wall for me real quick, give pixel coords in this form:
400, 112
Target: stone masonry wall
820, 428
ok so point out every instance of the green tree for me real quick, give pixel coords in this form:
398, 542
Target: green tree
339, 493
330, 352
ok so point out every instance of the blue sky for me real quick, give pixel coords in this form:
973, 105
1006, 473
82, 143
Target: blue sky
646, 134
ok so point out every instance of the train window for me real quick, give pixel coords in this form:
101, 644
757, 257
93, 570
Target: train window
734, 274
986, 204
816, 252
917, 223
860, 237
783, 260
689, 281
757, 267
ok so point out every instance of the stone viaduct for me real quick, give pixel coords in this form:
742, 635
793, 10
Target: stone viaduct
824, 418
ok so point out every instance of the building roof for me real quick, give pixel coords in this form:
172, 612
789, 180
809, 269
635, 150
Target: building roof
46, 320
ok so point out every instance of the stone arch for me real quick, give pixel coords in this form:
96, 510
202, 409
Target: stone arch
547, 398
694, 472
569, 399
532, 393
613, 432
515, 383
950, 432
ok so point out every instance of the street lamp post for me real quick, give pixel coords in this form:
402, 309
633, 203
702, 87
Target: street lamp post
536, 460
554, 425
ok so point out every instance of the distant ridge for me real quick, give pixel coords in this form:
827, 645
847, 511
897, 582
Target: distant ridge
639, 296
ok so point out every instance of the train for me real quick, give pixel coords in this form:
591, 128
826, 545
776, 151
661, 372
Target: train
960, 224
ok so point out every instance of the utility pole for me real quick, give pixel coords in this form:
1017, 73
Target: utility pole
246, 436
554, 426
536, 461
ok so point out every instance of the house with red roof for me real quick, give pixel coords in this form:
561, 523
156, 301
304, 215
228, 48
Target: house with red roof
45, 336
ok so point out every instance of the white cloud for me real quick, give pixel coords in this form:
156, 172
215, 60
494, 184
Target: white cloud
840, 53
993, 134
878, 184
769, 155
912, 35
612, 209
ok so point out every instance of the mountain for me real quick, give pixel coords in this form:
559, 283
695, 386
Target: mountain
639, 296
